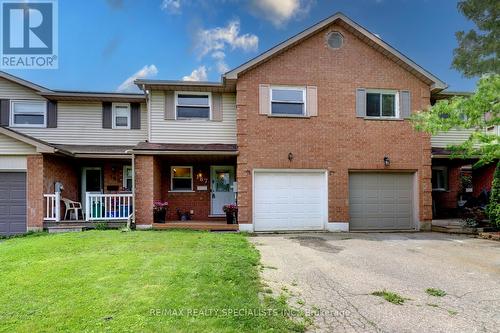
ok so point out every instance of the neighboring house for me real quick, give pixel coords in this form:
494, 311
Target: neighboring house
311, 135
454, 180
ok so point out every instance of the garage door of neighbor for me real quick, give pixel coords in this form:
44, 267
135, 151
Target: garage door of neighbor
285, 200
379, 201
12, 203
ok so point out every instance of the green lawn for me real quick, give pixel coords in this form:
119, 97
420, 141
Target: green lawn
117, 281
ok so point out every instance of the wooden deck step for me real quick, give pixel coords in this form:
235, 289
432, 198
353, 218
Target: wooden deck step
195, 225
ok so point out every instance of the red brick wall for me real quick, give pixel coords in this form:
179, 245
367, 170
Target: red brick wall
147, 187
35, 203
335, 140
61, 169
482, 178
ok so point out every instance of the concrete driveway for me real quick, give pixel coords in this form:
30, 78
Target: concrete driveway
334, 275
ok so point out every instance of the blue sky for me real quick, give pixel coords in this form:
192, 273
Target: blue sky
102, 43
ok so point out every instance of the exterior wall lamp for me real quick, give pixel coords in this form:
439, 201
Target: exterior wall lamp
290, 157
387, 161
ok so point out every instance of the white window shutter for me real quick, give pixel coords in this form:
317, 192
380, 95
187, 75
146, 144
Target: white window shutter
312, 101
264, 99
404, 104
360, 102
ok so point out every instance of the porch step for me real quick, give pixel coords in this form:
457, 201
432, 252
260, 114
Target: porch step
60, 229
209, 226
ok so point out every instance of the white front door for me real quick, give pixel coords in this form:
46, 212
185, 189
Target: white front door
91, 182
221, 185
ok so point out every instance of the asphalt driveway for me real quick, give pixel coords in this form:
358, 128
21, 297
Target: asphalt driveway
333, 276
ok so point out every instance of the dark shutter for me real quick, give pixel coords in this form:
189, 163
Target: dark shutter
360, 102
106, 115
51, 114
405, 104
216, 107
135, 115
4, 112
169, 105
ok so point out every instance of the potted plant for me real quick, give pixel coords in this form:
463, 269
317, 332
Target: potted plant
160, 211
231, 210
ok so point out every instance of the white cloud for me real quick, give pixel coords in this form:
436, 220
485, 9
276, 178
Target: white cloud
215, 41
280, 12
198, 74
171, 6
146, 71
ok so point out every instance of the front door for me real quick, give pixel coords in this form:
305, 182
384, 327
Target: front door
221, 180
91, 182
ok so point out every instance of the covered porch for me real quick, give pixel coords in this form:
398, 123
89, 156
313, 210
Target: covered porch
195, 181
80, 187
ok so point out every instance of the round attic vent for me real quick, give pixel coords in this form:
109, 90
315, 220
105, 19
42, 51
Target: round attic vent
335, 40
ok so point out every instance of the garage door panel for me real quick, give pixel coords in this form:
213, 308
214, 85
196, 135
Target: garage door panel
12, 203
289, 200
380, 200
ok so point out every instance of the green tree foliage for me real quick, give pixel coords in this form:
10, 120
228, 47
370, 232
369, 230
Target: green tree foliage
493, 208
478, 49
479, 112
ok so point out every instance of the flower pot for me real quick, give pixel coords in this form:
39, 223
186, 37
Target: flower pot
230, 217
159, 216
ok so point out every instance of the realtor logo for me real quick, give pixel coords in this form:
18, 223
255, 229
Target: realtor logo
29, 34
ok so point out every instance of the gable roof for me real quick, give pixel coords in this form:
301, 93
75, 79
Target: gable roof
24, 83
356, 29
41, 146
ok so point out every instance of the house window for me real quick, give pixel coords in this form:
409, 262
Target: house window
28, 114
181, 178
191, 105
382, 104
127, 177
439, 178
121, 115
288, 101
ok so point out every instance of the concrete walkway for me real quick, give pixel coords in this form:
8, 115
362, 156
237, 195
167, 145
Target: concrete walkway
334, 275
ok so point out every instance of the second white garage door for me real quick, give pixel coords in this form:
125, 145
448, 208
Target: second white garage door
287, 200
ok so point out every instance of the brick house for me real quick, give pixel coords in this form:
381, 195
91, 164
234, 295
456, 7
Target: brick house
310, 135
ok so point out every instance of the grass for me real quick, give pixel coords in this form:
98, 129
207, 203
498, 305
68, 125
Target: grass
389, 296
148, 281
435, 292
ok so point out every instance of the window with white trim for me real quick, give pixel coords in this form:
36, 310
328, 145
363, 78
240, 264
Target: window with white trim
192, 105
288, 101
121, 116
181, 178
382, 104
127, 177
439, 178
28, 114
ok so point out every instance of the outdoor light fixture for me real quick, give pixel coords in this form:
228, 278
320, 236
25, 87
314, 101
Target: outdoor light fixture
290, 157
200, 177
387, 161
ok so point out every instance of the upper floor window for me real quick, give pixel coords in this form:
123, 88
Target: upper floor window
121, 115
28, 114
382, 104
192, 105
288, 101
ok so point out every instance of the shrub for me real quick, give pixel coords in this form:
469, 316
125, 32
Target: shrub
493, 208
101, 225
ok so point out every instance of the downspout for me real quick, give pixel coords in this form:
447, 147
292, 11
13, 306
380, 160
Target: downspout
147, 94
132, 217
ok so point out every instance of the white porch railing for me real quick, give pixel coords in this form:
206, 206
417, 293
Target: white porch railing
52, 207
108, 206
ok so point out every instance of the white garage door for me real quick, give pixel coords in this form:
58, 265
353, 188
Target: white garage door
380, 201
285, 200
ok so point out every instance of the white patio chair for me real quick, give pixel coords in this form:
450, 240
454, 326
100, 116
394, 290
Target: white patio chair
72, 206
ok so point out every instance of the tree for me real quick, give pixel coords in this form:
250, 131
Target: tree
479, 112
478, 49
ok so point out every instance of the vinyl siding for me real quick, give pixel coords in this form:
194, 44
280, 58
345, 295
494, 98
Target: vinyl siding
81, 123
11, 90
13, 163
193, 131
452, 137
10, 146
